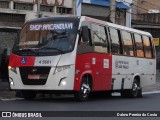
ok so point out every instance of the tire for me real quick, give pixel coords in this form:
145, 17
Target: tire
135, 92
28, 95
136, 89
85, 89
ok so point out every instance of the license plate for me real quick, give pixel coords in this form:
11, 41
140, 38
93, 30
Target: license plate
34, 77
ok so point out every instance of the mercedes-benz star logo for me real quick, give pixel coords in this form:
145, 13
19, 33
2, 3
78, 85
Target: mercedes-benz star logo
34, 70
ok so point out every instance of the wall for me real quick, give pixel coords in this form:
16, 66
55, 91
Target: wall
102, 12
144, 6
93, 10
7, 40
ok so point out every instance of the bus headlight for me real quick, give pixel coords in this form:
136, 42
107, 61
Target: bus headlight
61, 68
11, 81
62, 82
13, 69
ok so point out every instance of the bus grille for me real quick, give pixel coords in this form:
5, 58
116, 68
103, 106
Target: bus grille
43, 72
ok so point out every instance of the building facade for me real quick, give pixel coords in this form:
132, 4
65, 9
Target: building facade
13, 14
16, 12
146, 14
101, 9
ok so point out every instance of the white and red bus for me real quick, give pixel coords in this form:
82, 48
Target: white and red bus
81, 55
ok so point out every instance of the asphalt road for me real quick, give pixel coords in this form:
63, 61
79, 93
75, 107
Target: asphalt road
149, 102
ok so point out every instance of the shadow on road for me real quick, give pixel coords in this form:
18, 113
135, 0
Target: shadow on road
70, 99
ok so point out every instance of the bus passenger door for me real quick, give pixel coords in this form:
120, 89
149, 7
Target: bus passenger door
103, 62
96, 68
106, 72
101, 66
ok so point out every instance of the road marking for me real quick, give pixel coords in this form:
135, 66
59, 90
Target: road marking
153, 92
144, 93
11, 99
116, 94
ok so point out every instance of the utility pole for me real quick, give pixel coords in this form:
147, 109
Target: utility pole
39, 15
113, 11
74, 6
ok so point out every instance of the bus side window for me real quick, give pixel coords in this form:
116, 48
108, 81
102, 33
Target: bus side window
115, 41
99, 39
81, 41
139, 45
147, 47
152, 47
85, 46
127, 43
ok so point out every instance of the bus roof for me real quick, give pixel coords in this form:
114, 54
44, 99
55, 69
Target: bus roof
115, 25
51, 18
91, 20
128, 29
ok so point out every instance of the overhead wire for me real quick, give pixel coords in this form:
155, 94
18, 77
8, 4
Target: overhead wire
148, 3
135, 5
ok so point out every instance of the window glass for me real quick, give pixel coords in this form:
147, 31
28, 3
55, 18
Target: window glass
85, 46
147, 47
139, 45
99, 38
50, 37
115, 44
127, 43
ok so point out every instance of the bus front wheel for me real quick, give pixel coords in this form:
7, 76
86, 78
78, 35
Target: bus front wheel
83, 94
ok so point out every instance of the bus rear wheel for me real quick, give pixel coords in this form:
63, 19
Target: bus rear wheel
135, 92
85, 89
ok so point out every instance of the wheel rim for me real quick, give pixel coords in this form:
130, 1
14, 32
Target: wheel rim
135, 89
85, 89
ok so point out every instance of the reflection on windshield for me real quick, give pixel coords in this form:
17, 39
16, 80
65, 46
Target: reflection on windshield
63, 41
49, 36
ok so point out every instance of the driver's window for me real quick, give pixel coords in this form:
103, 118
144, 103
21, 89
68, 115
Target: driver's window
85, 46
81, 41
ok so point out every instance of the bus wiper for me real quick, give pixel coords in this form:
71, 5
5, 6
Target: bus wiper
57, 37
52, 49
28, 50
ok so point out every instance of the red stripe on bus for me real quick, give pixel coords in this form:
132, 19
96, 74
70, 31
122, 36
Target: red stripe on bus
94, 64
16, 61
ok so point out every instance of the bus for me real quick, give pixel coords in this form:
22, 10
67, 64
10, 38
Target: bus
81, 55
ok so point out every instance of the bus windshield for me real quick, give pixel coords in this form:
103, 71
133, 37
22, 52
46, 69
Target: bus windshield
52, 37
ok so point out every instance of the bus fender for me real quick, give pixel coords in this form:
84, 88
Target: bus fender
78, 84
134, 76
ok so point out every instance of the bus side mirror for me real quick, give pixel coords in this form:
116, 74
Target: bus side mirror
85, 34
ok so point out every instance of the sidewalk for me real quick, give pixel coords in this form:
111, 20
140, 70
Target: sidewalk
5, 92
155, 87
151, 88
